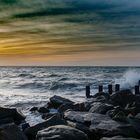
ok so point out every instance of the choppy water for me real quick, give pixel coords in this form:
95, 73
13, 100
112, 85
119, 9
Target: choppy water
27, 86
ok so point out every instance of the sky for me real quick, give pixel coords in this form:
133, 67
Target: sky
70, 32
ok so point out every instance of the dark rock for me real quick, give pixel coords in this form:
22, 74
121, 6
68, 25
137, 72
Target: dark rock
84, 117
15, 114
97, 98
84, 129
32, 131
6, 120
43, 110
135, 123
100, 94
61, 132
137, 116
10, 131
75, 107
46, 116
110, 128
25, 126
57, 101
101, 108
120, 116
118, 138
133, 108
34, 109
124, 97
116, 110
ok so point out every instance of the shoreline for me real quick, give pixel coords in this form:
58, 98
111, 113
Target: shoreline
104, 116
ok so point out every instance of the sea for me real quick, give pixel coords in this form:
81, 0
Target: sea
25, 87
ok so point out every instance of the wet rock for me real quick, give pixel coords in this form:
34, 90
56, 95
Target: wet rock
32, 131
120, 116
34, 109
84, 117
61, 132
6, 120
46, 116
115, 111
137, 116
101, 108
135, 123
133, 108
57, 101
25, 126
15, 114
100, 94
10, 131
84, 129
118, 138
122, 98
43, 110
75, 107
110, 128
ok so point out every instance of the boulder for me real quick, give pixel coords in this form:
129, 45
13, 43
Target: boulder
6, 120
15, 114
118, 138
25, 126
46, 116
110, 128
75, 107
43, 110
137, 116
101, 94
101, 108
123, 97
61, 132
10, 131
84, 129
85, 118
32, 131
56, 101
99, 97
34, 109
135, 123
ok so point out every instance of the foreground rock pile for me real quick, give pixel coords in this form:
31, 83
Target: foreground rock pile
102, 117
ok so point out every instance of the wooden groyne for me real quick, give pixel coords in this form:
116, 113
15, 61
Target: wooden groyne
111, 89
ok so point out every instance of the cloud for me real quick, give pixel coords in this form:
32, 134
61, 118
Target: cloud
85, 25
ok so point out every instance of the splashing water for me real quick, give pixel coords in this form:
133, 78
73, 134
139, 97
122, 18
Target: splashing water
129, 79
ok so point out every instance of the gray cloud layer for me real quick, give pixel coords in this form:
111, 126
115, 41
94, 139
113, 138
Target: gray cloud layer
108, 24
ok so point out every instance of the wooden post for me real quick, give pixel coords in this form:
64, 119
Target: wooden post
88, 91
117, 87
137, 90
100, 88
139, 83
110, 89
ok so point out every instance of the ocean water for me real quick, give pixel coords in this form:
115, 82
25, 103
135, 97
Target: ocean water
24, 87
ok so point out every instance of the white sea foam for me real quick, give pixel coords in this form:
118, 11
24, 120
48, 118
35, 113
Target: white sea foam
129, 79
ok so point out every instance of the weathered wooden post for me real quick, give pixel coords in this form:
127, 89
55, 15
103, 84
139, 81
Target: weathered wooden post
117, 87
110, 89
100, 88
88, 91
137, 90
139, 83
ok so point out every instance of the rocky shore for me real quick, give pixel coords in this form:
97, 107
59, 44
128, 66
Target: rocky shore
101, 117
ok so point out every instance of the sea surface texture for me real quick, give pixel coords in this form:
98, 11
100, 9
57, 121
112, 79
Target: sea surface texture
28, 86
